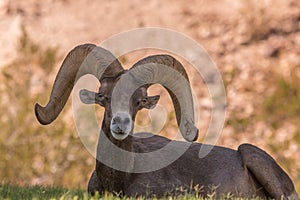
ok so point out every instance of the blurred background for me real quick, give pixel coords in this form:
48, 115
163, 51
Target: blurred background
255, 44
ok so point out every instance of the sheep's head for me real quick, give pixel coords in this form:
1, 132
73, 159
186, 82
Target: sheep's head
122, 92
121, 124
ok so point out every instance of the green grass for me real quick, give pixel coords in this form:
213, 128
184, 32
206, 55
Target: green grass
12, 192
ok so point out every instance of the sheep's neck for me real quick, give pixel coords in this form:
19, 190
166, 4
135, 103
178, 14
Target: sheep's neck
112, 164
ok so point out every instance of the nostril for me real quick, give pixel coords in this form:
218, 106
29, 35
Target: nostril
113, 121
126, 121
116, 120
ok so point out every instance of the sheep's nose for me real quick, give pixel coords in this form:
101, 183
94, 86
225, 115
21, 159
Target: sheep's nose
121, 122
121, 125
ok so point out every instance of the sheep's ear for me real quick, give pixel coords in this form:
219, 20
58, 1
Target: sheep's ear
149, 102
87, 97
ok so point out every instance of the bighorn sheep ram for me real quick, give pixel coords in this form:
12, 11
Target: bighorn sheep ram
247, 172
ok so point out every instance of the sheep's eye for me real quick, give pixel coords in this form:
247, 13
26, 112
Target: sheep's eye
140, 101
103, 97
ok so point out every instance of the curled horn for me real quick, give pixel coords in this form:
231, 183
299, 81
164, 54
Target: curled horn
172, 63
170, 73
83, 59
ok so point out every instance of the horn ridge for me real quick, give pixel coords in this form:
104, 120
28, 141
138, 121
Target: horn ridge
166, 60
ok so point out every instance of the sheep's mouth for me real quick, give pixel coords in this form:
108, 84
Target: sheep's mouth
119, 132
119, 135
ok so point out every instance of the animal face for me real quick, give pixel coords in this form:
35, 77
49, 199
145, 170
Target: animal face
121, 125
